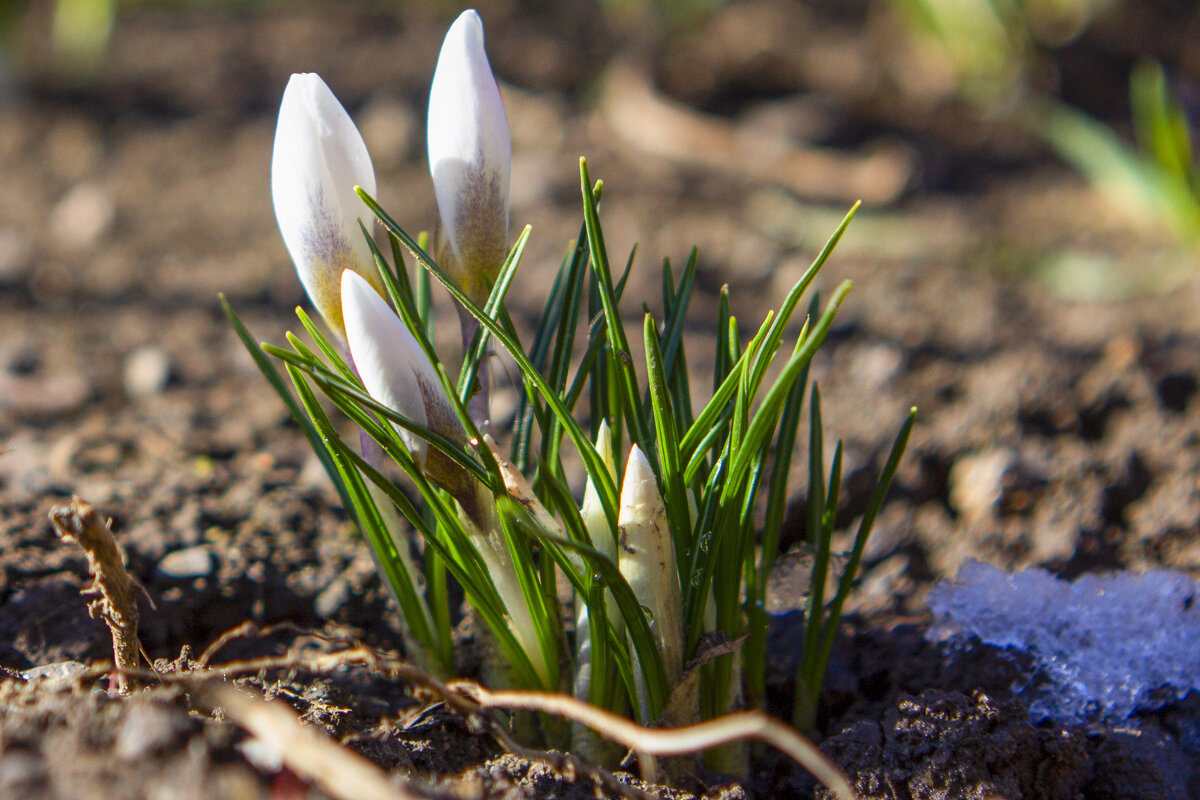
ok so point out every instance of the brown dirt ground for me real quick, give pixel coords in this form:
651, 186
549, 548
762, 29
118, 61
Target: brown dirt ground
1060, 433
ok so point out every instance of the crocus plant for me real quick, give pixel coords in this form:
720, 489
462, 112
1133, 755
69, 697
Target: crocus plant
667, 558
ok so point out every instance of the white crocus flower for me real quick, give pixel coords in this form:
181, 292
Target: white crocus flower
319, 158
470, 158
396, 372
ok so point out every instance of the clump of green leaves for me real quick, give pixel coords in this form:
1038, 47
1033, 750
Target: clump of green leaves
721, 471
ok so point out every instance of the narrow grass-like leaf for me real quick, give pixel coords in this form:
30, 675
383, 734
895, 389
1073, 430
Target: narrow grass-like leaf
1093, 149
276, 381
764, 419
592, 462
543, 609
677, 310
713, 517
332, 382
331, 353
820, 574
775, 335
722, 364
718, 406
403, 282
816, 469
424, 295
590, 364
369, 521
556, 331
1160, 121
437, 595
564, 342
667, 438
860, 539
695, 467
625, 377
754, 652
806, 697
676, 301
564, 339
495, 302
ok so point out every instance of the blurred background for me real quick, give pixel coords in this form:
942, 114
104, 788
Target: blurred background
1025, 261
890, 101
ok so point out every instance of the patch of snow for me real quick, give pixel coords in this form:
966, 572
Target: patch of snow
1107, 645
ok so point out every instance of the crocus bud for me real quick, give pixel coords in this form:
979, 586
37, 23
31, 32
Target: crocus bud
603, 539
396, 372
647, 560
470, 158
591, 510
319, 158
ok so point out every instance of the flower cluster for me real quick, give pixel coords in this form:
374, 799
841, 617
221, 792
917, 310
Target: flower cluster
667, 560
319, 161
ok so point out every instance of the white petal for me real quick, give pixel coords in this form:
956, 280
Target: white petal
388, 359
319, 158
470, 149
591, 511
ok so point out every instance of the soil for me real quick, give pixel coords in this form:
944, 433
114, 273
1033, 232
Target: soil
1059, 418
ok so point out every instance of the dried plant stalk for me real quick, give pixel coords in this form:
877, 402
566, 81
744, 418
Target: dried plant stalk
734, 727
114, 589
308, 752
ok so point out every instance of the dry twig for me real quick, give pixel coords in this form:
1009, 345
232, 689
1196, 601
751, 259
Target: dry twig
312, 755
674, 741
113, 587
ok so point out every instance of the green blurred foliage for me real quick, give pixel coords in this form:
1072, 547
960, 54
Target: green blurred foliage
80, 29
991, 46
1159, 176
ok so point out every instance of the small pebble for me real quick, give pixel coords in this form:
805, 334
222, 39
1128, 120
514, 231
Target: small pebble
147, 730
191, 562
58, 672
874, 366
265, 756
83, 216
977, 481
332, 598
147, 371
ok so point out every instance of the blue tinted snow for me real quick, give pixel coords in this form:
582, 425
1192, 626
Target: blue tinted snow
1107, 646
